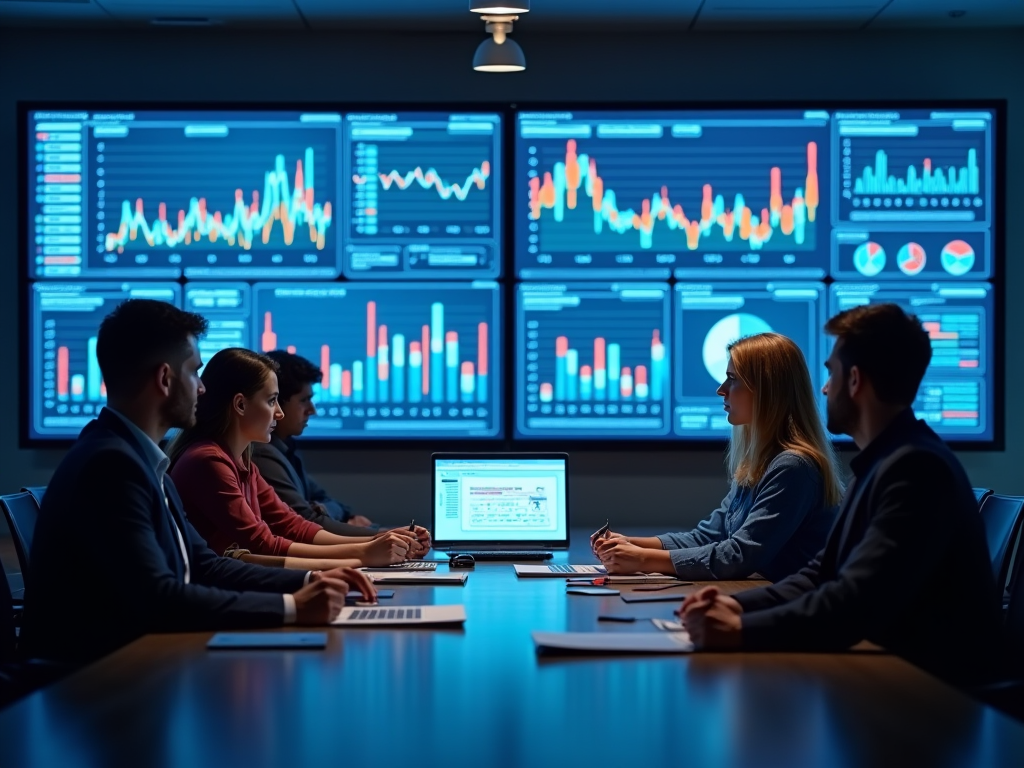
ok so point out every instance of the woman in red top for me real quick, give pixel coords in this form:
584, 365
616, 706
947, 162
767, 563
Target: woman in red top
227, 499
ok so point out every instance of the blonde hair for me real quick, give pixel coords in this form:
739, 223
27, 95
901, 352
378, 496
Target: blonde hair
785, 413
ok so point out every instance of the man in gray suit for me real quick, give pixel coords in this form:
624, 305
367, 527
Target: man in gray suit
281, 464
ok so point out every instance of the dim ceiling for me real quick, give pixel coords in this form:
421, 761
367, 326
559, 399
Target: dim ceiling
547, 15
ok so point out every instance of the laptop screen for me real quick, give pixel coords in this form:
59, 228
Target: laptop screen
495, 500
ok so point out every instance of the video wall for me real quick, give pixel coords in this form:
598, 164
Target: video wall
493, 273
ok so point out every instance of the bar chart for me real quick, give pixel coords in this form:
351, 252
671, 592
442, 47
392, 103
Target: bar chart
396, 359
958, 385
593, 360
64, 371
916, 166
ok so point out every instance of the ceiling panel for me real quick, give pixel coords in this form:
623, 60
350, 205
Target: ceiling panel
221, 10
937, 13
547, 15
817, 14
50, 11
455, 15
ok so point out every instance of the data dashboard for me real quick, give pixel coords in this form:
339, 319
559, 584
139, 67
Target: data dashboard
536, 274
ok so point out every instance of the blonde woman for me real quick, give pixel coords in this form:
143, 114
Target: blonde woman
785, 479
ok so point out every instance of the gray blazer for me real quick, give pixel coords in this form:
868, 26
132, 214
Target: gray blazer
298, 490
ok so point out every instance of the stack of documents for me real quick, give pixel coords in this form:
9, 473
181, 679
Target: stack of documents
613, 642
423, 578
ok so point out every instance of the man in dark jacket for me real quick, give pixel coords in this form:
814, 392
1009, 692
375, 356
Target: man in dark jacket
282, 466
113, 556
906, 565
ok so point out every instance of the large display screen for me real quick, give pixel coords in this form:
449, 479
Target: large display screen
369, 242
750, 220
579, 281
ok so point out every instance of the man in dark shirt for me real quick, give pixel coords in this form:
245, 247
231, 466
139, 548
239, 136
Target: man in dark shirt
113, 556
281, 464
906, 565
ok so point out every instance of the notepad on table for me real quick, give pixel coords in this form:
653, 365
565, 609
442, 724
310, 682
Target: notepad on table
643, 578
560, 571
423, 578
612, 642
401, 616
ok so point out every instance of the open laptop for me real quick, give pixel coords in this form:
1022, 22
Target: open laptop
501, 505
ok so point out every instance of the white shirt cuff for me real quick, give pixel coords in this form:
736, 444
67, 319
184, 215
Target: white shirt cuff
290, 612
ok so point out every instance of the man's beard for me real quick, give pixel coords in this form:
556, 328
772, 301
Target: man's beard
841, 412
179, 409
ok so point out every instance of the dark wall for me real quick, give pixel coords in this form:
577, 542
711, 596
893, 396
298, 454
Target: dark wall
223, 66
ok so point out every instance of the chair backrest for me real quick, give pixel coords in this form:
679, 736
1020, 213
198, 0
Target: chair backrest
980, 494
38, 491
1001, 516
8, 638
21, 512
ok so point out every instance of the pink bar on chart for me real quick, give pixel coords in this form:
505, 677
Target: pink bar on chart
325, 368
481, 349
371, 329
382, 353
62, 371
426, 359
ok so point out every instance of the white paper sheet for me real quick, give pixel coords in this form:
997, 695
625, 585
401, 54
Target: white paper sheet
400, 615
614, 642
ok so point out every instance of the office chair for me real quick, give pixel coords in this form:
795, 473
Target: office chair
1001, 516
21, 512
8, 633
980, 494
38, 491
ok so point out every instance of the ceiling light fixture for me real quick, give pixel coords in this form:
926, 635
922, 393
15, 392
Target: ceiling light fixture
499, 53
492, 6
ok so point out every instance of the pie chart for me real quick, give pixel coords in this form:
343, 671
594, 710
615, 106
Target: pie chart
911, 259
725, 332
957, 258
869, 258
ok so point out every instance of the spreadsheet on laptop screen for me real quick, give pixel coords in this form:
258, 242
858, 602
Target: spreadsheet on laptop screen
500, 500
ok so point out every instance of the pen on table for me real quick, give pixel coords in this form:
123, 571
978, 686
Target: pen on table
616, 618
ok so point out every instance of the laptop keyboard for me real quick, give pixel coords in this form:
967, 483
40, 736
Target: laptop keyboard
575, 569
409, 565
385, 614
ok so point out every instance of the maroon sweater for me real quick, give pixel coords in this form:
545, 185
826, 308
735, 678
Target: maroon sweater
231, 504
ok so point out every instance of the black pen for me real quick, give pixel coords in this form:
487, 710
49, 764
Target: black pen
412, 525
617, 618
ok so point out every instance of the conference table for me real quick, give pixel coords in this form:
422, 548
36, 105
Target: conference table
480, 695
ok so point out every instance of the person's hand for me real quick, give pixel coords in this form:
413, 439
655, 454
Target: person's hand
320, 601
619, 556
421, 542
608, 536
356, 580
713, 620
361, 520
387, 548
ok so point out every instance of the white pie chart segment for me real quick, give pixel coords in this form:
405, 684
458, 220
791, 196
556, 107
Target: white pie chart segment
725, 332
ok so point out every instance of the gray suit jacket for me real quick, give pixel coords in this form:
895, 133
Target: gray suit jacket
298, 490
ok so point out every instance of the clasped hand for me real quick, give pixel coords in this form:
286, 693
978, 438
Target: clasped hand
714, 620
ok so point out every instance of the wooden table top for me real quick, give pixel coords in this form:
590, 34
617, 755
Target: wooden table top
481, 696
